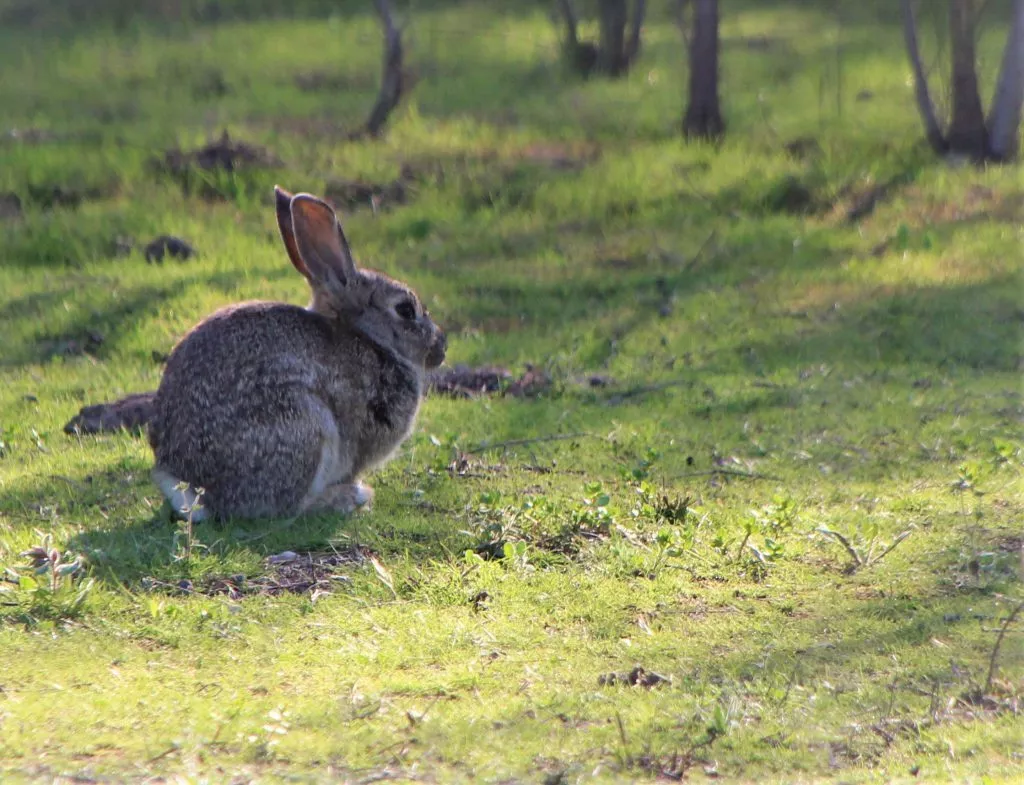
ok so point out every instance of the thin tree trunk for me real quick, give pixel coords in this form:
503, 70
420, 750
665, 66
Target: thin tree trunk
571, 25
613, 37
703, 117
633, 47
392, 79
966, 132
932, 128
1005, 114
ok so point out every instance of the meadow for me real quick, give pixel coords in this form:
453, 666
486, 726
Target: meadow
758, 515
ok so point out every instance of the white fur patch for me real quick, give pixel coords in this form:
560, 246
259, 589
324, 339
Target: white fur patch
183, 497
363, 495
329, 470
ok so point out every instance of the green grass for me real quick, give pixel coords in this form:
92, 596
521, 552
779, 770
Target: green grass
864, 377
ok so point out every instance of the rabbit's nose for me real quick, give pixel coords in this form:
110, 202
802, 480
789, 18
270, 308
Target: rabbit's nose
437, 350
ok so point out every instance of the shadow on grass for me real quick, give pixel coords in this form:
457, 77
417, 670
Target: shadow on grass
975, 326
96, 331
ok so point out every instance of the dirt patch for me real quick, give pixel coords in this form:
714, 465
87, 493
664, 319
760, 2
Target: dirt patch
168, 245
462, 381
50, 196
804, 148
225, 154
353, 194
10, 205
131, 413
71, 345
638, 677
287, 573
201, 171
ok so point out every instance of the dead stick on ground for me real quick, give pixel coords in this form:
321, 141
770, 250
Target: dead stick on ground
643, 390
485, 446
730, 473
999, 642
857, 560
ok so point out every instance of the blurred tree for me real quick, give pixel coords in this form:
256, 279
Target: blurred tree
968, 131
393, 82
616, 50
703, 117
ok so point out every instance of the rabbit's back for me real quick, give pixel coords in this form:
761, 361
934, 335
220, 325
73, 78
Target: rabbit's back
252, 395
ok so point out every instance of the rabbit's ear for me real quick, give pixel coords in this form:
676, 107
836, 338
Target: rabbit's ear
284, 223
320, 244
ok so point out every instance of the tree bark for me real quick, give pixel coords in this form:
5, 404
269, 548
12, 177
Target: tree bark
611, 48
1005, 114
932, 128
572, 36
966, 132
703, 117
391, 85
636, 26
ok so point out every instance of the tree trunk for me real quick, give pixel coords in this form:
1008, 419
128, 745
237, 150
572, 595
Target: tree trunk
966, 133
610, 51
633, 45
703, 117
932, 129
1005, 115
391, 84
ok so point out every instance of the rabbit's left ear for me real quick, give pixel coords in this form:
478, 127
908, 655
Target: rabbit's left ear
283, 200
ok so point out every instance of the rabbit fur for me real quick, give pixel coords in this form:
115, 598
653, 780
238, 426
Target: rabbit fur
274, 410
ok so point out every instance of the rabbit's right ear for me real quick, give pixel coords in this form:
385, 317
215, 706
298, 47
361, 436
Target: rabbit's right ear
320, 245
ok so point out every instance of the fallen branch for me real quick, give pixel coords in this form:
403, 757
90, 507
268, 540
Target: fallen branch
392, 81
487, 446
730, 473
999, 642
644, 389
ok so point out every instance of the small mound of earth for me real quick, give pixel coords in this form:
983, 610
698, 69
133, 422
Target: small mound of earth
226, 154
288, 573
134, 412
10, 205
352, 194
463, 381
638, 677
131, 413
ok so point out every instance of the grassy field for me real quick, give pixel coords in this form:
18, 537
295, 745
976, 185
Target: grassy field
785, 394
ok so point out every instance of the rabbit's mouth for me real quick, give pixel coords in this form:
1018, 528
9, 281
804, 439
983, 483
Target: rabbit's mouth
436, 353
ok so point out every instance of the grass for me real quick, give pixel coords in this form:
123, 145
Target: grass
779, 376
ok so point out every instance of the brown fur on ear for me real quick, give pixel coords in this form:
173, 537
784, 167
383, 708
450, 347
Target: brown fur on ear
284, 224
321, 244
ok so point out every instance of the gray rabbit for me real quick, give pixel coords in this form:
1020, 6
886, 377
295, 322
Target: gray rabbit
276, 410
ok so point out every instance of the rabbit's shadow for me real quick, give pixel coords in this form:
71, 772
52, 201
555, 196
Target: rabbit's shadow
160, 550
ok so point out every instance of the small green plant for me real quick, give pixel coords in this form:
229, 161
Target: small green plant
184, 542
642, 467
45, 588
770, 524
863, 546
592, 513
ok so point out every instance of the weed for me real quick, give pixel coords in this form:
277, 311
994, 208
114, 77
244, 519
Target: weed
864, 545
46, 588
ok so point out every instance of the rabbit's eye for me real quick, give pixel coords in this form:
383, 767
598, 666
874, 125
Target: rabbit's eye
406, 310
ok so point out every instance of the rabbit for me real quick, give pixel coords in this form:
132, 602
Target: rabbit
271, 410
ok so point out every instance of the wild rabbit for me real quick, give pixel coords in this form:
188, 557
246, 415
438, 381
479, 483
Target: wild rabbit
276, 410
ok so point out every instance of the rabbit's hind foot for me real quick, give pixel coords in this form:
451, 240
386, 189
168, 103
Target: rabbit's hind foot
345, 498
185, 501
